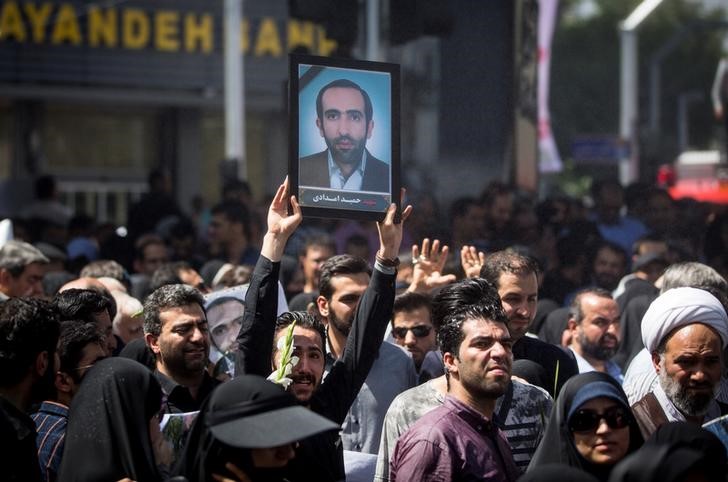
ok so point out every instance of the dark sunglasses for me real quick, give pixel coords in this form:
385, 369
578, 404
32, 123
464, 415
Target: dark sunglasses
589, 420
420, 331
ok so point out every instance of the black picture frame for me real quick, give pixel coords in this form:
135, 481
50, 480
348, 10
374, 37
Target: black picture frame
310, 166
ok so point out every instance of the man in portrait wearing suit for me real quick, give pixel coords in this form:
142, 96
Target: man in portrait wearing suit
344, 119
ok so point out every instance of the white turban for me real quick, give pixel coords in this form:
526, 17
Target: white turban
679, 307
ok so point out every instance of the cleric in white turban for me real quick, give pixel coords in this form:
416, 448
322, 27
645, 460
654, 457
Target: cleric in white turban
679, 307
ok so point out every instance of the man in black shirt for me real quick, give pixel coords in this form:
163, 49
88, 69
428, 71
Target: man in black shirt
29, 331
320, 457
175, 328
514, 275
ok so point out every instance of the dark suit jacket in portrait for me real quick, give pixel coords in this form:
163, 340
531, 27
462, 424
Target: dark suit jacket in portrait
313, 171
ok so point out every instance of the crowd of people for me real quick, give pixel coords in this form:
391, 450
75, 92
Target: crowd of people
505, 339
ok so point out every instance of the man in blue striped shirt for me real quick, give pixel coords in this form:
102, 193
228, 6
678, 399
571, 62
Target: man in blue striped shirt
79, 347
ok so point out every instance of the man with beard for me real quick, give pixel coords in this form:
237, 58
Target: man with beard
344, 279
608, 265
225, 317
28, 362
514, 276
320, 457
594, 331
175, 329
685, 330
519, 412
459, 439
344, 119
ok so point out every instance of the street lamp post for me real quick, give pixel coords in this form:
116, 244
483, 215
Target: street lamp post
234, 88
628, 105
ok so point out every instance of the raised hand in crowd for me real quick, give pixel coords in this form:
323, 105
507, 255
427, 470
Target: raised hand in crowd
471, 260
428, 263
390, 233
281, 225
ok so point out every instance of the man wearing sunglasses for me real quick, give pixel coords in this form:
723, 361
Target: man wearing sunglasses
80, 346
412, 327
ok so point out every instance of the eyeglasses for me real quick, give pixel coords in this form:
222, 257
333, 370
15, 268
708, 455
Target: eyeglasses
589, 420
420, 331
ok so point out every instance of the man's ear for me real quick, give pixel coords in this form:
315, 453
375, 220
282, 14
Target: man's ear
320, 126
323, 306
42, 363
571, 324
450, 362
152, 342
370, 128
656, 362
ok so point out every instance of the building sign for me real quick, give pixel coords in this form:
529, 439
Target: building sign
155, 44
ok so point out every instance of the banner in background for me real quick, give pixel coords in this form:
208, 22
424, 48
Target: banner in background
549, 159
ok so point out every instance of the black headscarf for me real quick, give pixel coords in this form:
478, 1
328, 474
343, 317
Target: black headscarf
557, 473
138, 350
557, 445
674, 451
108, 424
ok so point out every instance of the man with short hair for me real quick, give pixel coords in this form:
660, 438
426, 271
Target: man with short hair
412, 325
178, 272
90, 306
459, 440
344, 279
520, 412
320, 457
80, 346
316, 250
28, 337
514, 276
608, 265
106, 268
150, 252
593, 328
608, 196
685, 330
22, 267
344, 118
230, 233
175, 329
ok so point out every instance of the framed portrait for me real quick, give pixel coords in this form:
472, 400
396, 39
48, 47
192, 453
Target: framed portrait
344, 136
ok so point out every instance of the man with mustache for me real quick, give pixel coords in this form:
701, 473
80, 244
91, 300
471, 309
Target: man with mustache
514, 276
365, 311
459, 439
175, 329
594, 331
685, 330
344, 117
